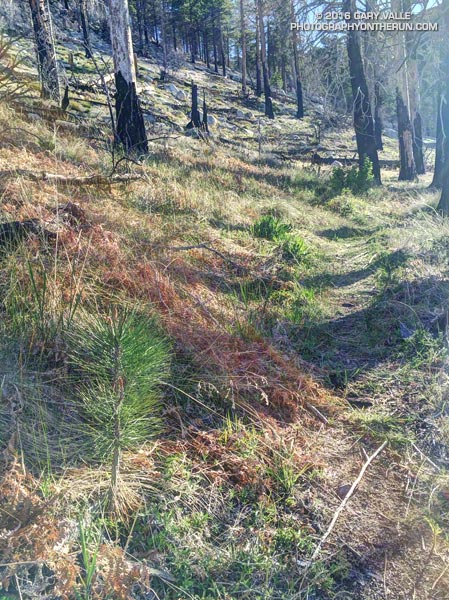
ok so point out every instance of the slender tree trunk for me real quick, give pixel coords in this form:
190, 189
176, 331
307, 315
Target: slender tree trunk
195, 114
378, 115
443, 205
258, 63
297, 76
243, 42
222, 47
442, 115
130, 123
214, 40
363, 118
263, 54
164, 34
85, 27
45, 50
407, 170
206, 47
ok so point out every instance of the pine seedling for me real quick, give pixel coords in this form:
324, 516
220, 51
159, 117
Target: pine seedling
119, 361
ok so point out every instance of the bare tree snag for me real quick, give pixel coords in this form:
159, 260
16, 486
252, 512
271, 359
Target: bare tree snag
442, 114
129, 117
45, 50
298, 83
407, 170
243, 37
378, 115
263, 55
363, 118
84, 18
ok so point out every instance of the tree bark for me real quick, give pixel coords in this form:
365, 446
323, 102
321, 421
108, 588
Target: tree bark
195, 115
129, 117
243, 36
298, 83
442, 115
45, 50
378, 115
407, 170
363, 118
258, 63
263, 55
85, 28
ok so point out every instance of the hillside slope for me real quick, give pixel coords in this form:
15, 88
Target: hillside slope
306, 326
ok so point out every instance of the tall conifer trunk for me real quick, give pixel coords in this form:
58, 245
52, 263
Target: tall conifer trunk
45, 50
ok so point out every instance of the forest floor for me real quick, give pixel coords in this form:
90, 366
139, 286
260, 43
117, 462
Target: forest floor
308, 326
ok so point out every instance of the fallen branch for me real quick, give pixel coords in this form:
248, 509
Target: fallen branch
345, 500
64, 180
203, 246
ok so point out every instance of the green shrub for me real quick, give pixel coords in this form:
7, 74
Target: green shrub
356, 179
294, 248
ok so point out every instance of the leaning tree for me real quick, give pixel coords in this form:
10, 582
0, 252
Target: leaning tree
130, 124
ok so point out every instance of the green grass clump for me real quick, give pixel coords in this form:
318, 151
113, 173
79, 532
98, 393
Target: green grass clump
271, 228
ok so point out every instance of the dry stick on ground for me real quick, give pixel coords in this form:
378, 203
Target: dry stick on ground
203, 246
95, 179
345, 500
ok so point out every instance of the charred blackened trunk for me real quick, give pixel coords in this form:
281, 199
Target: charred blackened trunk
195, 114
85, 28
363, 118
298, 83
263, 55
129, 118
442, 115
378, 116
407, 170
443, 205
205, 123
45, 50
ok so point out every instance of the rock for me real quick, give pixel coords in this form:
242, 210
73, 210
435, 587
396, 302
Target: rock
343, 490
171, 87
211, 120
249, 115
34, 117
150, 118
240, 114
66, 125
181, 96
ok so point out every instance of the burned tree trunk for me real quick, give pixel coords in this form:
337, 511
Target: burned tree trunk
194, 113
378, 116
205, 123
45, 50
85, 27
130, 123
363, 118
263, 55
298, 83
407, 170
243, 36
442, 115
